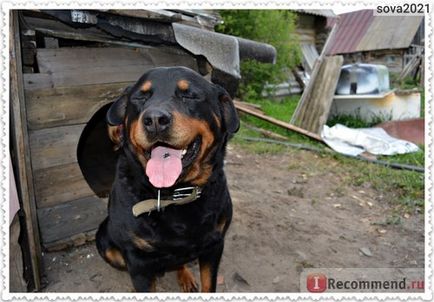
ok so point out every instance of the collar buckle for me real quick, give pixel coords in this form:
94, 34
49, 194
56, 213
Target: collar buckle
181, 193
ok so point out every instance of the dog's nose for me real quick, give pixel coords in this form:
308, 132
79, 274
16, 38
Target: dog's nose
156, 121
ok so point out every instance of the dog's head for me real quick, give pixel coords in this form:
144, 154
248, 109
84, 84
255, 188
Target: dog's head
174, 122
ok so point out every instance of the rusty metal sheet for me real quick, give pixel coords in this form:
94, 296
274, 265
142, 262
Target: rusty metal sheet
412, 130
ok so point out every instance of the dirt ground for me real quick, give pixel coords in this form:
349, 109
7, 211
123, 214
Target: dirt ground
291, 211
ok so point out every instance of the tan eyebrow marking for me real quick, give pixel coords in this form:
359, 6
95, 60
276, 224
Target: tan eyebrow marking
183, 85
146, 86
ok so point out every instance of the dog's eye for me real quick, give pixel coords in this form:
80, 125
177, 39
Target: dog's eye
188, 97
142, 96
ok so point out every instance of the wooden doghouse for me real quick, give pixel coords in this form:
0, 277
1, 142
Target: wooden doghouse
68, 67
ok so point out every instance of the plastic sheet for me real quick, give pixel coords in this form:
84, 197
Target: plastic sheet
356, 141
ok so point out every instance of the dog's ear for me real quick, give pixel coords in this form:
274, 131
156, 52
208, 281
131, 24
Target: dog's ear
115, 134
229, 113
116, 113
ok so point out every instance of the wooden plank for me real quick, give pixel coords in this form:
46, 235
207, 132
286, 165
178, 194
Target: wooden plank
68, 106
68, 220
314, 111
266, 133
249, 105
54, 146
77, 58
308, 89
60, 184
246, 105
34, 81
169, 56
278, 122
51, 42
21, 154
322, 94
97, 75
66, 67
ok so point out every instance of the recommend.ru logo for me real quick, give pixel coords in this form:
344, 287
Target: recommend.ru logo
316, 283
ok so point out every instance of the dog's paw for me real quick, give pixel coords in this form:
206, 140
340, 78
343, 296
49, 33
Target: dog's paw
186, 280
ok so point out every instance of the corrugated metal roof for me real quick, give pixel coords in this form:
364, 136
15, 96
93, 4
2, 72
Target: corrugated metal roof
390, 32
328, 13
351, 29
362, 31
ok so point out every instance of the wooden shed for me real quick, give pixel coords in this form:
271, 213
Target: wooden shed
67, 67
312, 32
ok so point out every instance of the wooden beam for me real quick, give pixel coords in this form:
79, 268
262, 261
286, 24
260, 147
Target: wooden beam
314, 111
316, 67
279, 123
252, 107
21, 155
266, 133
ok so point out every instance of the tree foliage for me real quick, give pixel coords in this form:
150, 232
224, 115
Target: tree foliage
275, 27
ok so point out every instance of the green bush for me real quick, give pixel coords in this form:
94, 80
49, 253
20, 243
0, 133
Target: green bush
275, 27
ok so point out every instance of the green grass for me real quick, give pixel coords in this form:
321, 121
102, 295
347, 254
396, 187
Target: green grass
414, 159
355, 121
281, 110
255, 147
407, 187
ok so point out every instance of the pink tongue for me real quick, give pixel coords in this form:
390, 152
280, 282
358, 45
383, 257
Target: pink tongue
164, 167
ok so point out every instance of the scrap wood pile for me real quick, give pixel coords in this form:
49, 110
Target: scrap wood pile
413, 67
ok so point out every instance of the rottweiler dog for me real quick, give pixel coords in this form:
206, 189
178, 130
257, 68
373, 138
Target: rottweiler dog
169, 202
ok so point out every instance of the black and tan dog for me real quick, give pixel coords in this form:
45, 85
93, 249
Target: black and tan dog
169, 202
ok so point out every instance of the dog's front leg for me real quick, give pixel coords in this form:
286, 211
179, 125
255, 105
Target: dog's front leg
209, 265
143, 280
143, 283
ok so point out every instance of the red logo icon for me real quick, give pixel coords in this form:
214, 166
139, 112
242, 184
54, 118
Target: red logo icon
316, 283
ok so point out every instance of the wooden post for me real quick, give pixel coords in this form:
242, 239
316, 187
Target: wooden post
21, 156
305, 97
314, 110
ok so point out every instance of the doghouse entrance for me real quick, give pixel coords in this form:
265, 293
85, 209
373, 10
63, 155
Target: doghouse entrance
95, 154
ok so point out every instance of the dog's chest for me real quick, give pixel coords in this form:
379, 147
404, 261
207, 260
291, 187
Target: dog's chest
176, 228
